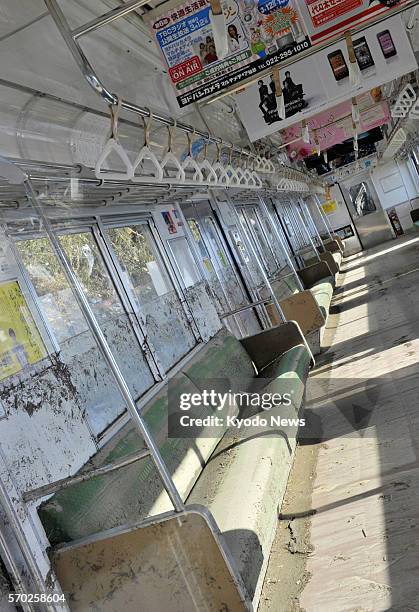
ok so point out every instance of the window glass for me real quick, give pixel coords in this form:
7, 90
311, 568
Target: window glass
165, 320
136, 251
54, 293
220, 258
196, 233
259, 240
362, 199
103, 402
183, 257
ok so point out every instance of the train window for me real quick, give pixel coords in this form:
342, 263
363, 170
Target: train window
260, 243
414, 156
362, 199
165, 318
134, 248
184, 261
196, 233
54, 294
87, 263
56, 298
103, 403
219, 256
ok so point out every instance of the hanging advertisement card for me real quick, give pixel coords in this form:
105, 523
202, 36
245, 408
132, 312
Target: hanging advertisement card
319, 82
326, 19
334, 126
260, 34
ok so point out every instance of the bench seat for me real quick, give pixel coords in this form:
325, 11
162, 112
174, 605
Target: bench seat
208, 470
322, 291
113, 499
338, 257
256, 466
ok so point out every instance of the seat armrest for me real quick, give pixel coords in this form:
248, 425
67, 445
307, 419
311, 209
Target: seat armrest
315, 272
327, 257
340, 243
268, 345
332, 246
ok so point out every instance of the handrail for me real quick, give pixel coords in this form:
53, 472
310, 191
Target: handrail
230, 313
107, 18
110, 98
64, 483
97, 84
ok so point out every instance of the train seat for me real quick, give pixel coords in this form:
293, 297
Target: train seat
209, 467
320, 279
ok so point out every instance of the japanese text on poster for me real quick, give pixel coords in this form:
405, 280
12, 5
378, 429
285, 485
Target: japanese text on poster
260, 33
20, 341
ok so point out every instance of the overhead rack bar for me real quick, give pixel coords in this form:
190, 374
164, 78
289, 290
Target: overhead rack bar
111, 98
107, 18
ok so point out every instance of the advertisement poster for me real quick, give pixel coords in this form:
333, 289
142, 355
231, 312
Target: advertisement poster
319, 82
326, 19
334, 126
329, 207
20, 341
260, 34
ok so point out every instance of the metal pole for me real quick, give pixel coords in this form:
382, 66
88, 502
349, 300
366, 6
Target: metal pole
281, 242
285, 231
109, 97
260, 266
299, 236
9, 562
15, 524
323, 216
313, 246
107, 18
308, 215
106, 351
69, 481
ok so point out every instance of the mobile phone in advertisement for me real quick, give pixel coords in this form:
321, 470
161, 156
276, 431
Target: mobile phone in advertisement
386, 43
363, 53
338, 65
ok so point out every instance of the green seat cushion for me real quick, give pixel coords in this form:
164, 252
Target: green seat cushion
322, 292
288, 374
130, 493
223, 358
135, 491
338, 258
416, 224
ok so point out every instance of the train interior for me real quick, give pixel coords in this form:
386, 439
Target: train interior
209, 265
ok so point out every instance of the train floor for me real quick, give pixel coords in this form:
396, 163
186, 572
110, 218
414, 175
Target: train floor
348, 533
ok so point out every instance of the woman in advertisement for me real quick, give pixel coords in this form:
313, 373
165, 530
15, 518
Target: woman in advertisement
233, 38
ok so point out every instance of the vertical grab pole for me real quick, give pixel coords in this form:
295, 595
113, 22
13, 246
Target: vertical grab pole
281, 242
308, 215
313, 246
96, 330
259, 265
294, 222
323, 216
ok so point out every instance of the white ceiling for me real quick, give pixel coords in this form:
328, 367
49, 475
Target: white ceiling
124, 57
